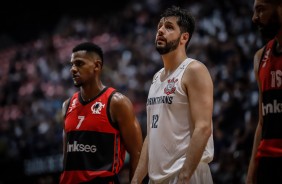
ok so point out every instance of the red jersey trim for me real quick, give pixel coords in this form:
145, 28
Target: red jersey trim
85, 176
270, 148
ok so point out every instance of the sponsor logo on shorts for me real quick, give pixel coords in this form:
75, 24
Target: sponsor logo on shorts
76, 147
273, 108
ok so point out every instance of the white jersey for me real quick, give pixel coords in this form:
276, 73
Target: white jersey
168, 126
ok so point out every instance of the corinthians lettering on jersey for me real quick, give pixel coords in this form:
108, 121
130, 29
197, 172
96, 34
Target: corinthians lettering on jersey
75, 147
160, 100
169, 89
274, 107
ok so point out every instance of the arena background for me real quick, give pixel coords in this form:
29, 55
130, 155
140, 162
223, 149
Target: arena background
35, 45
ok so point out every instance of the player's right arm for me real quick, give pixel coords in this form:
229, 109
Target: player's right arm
64, 110
142, 167
253, 165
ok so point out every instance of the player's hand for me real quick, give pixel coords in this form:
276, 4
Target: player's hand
183, 178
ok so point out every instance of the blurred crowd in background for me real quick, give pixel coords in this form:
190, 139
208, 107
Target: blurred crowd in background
35, 80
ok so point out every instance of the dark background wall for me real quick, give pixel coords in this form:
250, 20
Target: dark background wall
23, 20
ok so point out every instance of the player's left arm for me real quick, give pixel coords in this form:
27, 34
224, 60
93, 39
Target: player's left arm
198, 85
122, 112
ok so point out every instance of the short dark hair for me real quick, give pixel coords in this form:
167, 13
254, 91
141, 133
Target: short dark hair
90, 47
275, 2
186, 20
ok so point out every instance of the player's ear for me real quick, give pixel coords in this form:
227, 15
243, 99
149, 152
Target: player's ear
185, 36
98, 64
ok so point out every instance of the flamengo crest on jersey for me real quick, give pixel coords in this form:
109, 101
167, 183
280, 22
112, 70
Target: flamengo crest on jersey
97, 107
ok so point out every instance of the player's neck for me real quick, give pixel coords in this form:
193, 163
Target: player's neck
91, 91
171, 63
279, 40
172, 60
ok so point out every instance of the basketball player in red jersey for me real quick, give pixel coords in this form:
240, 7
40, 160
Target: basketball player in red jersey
99, 124
266, 161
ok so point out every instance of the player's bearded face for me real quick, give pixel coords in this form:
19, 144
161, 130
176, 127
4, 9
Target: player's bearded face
168, 47
270, 29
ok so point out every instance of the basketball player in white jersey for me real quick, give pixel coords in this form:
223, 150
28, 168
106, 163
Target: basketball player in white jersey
179, 143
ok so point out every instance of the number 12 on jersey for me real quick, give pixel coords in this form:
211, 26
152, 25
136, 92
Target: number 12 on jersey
155, 121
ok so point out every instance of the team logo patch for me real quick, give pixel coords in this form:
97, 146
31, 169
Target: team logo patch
97, 107
73, 105
170, 88
265, 58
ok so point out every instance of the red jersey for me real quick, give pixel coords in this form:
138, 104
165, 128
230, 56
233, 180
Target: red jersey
93, 144
270, 78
